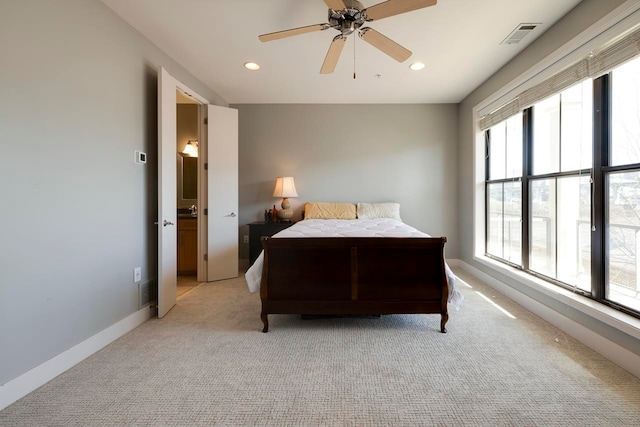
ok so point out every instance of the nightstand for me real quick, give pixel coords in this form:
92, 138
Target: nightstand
258, 231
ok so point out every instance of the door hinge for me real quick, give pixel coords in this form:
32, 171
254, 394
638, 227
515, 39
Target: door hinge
206, 257
206, 120
206, 166
206, 211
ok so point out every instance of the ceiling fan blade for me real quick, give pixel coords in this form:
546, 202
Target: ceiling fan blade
335, 4
395, 7
333, 54
385, 44
292, 32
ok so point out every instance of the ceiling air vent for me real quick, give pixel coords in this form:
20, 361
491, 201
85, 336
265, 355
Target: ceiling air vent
519, 33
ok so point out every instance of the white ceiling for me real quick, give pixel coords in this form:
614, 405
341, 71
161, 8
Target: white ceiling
458, 40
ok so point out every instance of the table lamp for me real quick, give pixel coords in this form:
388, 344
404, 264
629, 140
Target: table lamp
285, 188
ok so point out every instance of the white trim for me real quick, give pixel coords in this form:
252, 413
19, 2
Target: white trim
41, 374
190, 93
478, 184
609, 349
203, 203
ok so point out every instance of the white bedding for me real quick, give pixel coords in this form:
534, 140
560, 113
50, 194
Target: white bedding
379, 227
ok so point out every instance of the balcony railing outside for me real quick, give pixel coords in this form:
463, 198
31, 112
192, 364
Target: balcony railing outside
624, 253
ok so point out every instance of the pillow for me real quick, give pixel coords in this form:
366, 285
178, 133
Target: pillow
322, 210
379, 210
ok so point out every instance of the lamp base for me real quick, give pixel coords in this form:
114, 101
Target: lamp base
285, 204
285, 215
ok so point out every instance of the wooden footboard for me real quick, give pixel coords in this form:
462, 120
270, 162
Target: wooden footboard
354, 275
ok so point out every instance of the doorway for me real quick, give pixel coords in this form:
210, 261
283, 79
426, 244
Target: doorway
217, 190
187, 200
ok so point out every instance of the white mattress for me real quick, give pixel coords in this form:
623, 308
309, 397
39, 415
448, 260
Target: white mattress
379, 227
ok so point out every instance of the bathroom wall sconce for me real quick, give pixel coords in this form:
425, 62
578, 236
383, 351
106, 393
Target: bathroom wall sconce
191, 149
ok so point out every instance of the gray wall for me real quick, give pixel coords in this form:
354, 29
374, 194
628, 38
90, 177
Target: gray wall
352, 153
78, 97
580, 18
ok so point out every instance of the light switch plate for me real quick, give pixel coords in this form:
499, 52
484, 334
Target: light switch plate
137, 274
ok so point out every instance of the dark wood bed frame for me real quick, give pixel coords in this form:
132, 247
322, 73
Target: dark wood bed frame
354, 275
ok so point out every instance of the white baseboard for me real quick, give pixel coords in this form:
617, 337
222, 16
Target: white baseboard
41, 374
609, 349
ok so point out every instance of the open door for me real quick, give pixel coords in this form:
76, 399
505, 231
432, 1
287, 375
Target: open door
222, 193
167, 206
220, 243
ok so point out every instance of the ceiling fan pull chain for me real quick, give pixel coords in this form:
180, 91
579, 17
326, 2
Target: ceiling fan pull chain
354, 58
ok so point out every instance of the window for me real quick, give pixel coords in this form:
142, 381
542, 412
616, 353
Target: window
560, 240
563, 188
560, 218
504, 227
625, 129
504, 190
623, 269
623, 188
562, 129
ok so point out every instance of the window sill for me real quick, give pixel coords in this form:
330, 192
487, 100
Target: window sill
607, 315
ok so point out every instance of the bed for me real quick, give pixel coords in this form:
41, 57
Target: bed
333, 263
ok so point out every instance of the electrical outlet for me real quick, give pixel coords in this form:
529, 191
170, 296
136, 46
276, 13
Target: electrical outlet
137, 274
246, 239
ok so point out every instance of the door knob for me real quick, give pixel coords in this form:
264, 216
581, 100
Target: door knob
165, 223
232, 214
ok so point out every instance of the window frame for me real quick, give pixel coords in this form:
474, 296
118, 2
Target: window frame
502, 181
599, 172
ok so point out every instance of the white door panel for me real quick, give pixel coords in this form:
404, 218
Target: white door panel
167, 209
222, 193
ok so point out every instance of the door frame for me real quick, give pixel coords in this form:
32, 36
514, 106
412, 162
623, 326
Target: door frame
202, 181
168, 85
203, 202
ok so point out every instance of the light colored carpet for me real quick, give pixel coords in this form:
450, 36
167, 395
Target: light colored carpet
185, 284
207, 363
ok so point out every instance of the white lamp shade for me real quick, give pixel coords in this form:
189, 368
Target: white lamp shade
190, 150
285, 187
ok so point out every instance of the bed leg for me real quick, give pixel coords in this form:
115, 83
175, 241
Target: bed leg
265, 321
443, 321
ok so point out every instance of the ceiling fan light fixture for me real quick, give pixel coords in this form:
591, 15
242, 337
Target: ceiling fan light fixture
417, 66
251, 66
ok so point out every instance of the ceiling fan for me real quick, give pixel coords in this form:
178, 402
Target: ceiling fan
348, 16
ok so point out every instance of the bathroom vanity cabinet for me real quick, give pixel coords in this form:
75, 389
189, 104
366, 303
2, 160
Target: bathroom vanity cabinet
187, 246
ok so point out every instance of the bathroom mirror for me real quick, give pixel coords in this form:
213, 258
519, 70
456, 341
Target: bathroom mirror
187, 181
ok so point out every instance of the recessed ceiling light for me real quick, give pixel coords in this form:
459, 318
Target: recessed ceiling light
416, 66
251, 66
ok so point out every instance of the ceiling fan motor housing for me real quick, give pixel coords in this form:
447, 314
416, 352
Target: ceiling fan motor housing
348, 20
